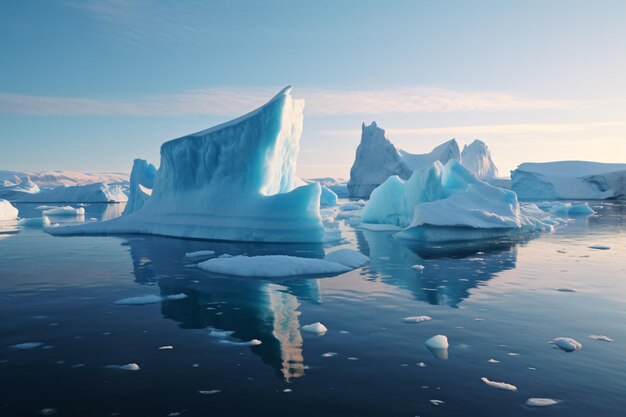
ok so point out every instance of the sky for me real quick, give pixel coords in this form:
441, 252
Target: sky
91, 85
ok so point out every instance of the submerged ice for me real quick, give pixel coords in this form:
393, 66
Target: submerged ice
235, 181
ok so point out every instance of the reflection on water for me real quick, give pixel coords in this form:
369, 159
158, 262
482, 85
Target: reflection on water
450, 270
249, 308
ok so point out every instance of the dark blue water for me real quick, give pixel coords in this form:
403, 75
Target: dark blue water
490, 298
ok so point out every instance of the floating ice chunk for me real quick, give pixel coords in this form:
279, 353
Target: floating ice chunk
210, 391
416, 319
437, 402
493, 361
499, 385
47, 411
350, 207
27, 345
600, 247
328, 198
168, 347
317, 328
541, 402
348, 257
253, 342
42, 221
199, 254
7, 211
418, 267
127, 367
329, 354
438, 346
421, 365
600, 338
149, 299
64, 211
566, 209
513, 354
567, 344
437, 342
276, 265
353, 358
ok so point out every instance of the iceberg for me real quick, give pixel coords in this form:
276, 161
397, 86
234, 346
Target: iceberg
328, 198
54, 179
566, 209
141, 184
377, 159
88, 193
446, 203
14, 191
7, 211
569, 180
234, 181
477, 158
64, 211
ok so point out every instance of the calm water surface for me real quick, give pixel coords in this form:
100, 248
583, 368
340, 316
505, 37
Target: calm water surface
502, 300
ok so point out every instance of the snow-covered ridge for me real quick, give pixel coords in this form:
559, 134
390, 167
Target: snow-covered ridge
235, 181
52, 179
569, 180
377, 158
88, 193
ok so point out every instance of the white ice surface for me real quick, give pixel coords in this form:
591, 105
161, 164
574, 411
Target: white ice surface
7, 211
317, 328
499, 385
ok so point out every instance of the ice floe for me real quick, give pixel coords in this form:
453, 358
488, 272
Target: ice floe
567, 344
27, 345
42, 221
199, 254
149, 299
253, 342
210, 391
541, 402
499, 385
64, 211
317, 328
127, 367
416, 319
418, 267
600, 338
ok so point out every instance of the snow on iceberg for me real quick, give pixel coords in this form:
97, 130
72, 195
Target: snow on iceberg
141, 184
569, 180
445, 203
88, 193
7, 211
234, 182
477, 158
273, 266
377, 159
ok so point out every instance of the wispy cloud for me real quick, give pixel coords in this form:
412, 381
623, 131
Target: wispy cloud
491, 129
227, 101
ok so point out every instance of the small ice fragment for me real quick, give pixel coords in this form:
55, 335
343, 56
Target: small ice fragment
127, 367
499, 385
421, 365
344, 332
47, 411
141, 300
64, 211
601, 338
176, 296
168, 347
353, 358
27, 345
437, 342
287, 390
416, 319
78, 365
210, 391
567, 344
493, 361
317, 328
329, 354
174, 414
220, 333
600, 247
541, 402
513, 354
418, 267
437, 402
200, 253
253, 342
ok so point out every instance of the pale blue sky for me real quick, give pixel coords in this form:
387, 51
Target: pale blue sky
90, 85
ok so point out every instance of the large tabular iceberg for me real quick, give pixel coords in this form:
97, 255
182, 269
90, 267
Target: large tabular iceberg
141, 184
448, 202
89, 193
234, 181
569, 180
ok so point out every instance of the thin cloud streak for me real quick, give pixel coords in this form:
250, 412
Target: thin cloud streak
231, 101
